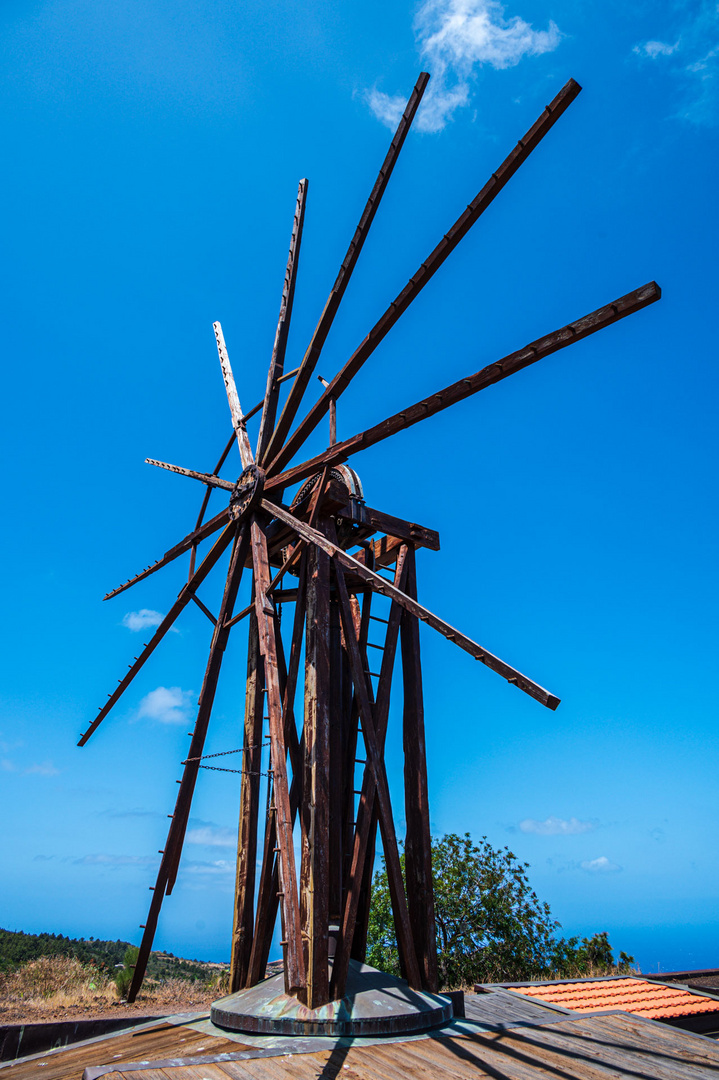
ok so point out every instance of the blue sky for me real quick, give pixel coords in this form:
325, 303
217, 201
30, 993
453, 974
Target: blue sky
152, 154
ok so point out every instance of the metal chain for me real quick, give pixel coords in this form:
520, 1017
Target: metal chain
243, 772
222, 753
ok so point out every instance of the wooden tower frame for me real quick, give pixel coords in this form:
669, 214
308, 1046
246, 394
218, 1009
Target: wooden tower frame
316, 751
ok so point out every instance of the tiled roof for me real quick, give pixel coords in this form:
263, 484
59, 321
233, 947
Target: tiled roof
632, 995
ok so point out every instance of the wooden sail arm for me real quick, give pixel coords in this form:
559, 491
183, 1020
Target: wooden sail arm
312, 355
463, 388
206, 478
379, 584
425, 272
238, 420
185, 596
277, 363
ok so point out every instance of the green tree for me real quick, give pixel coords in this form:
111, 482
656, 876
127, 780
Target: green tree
123, 976
491, 926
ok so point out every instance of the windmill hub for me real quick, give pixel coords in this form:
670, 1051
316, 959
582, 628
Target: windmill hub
248, 492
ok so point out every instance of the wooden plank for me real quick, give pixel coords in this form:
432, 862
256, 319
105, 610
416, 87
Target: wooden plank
464, 388
206, 499
238, 420
312, 355
170, 862
243, 920
190, 541
380, 585
425, 272
277, 363
206, 478
314, 880
183, 599
418, 841
374, 776
295, 978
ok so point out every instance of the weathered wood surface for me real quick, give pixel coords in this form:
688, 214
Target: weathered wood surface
314, 817
418, 843
277, 362
238, 420
380, 585
295, 976
425, 272
243, 914
396, 527
312, 355
167, 872
183, 599
534, 1045
464, 388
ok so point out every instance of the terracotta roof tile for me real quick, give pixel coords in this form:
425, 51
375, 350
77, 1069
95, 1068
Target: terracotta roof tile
632, 995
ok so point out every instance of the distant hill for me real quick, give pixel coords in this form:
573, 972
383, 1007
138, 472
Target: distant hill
16, 948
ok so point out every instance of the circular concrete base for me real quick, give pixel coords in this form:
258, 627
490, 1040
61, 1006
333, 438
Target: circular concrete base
373, 1004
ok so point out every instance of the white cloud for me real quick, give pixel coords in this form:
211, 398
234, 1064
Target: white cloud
45, 768
206, 832
140, 620
103, 859
554, 826
454, 38
218, 867
6, 765
167, 704
602, 865
653, 49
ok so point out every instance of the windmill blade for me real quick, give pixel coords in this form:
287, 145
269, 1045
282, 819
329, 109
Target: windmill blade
277, 363
425, 272
380, 585
312, 355
206, 499
238, 420
458, 391
169, 865
206, 478
183, 599
191, 540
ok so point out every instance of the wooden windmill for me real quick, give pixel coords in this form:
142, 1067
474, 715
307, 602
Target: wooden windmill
325, 550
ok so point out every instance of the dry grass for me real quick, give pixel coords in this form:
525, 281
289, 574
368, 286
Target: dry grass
55, 987
56, 982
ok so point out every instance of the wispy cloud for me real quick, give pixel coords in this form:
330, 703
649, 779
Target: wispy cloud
602, 865
105, 859
211, 835
554, 826
44, 768
653, 49
136, 812
454, 39
693, 61
167, 705
142, 619
216, 868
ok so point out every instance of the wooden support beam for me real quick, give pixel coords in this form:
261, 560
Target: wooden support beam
424, 274
375, 780
314, 817
238, 420
384, 686
418, 842
206, 499
464, 388
170, 862
185, 595
190, 541
243, 921
392, 526
295, 978
277, 363
380, 585
319, 337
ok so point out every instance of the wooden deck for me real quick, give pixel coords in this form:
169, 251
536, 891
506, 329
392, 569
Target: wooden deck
501, 1038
